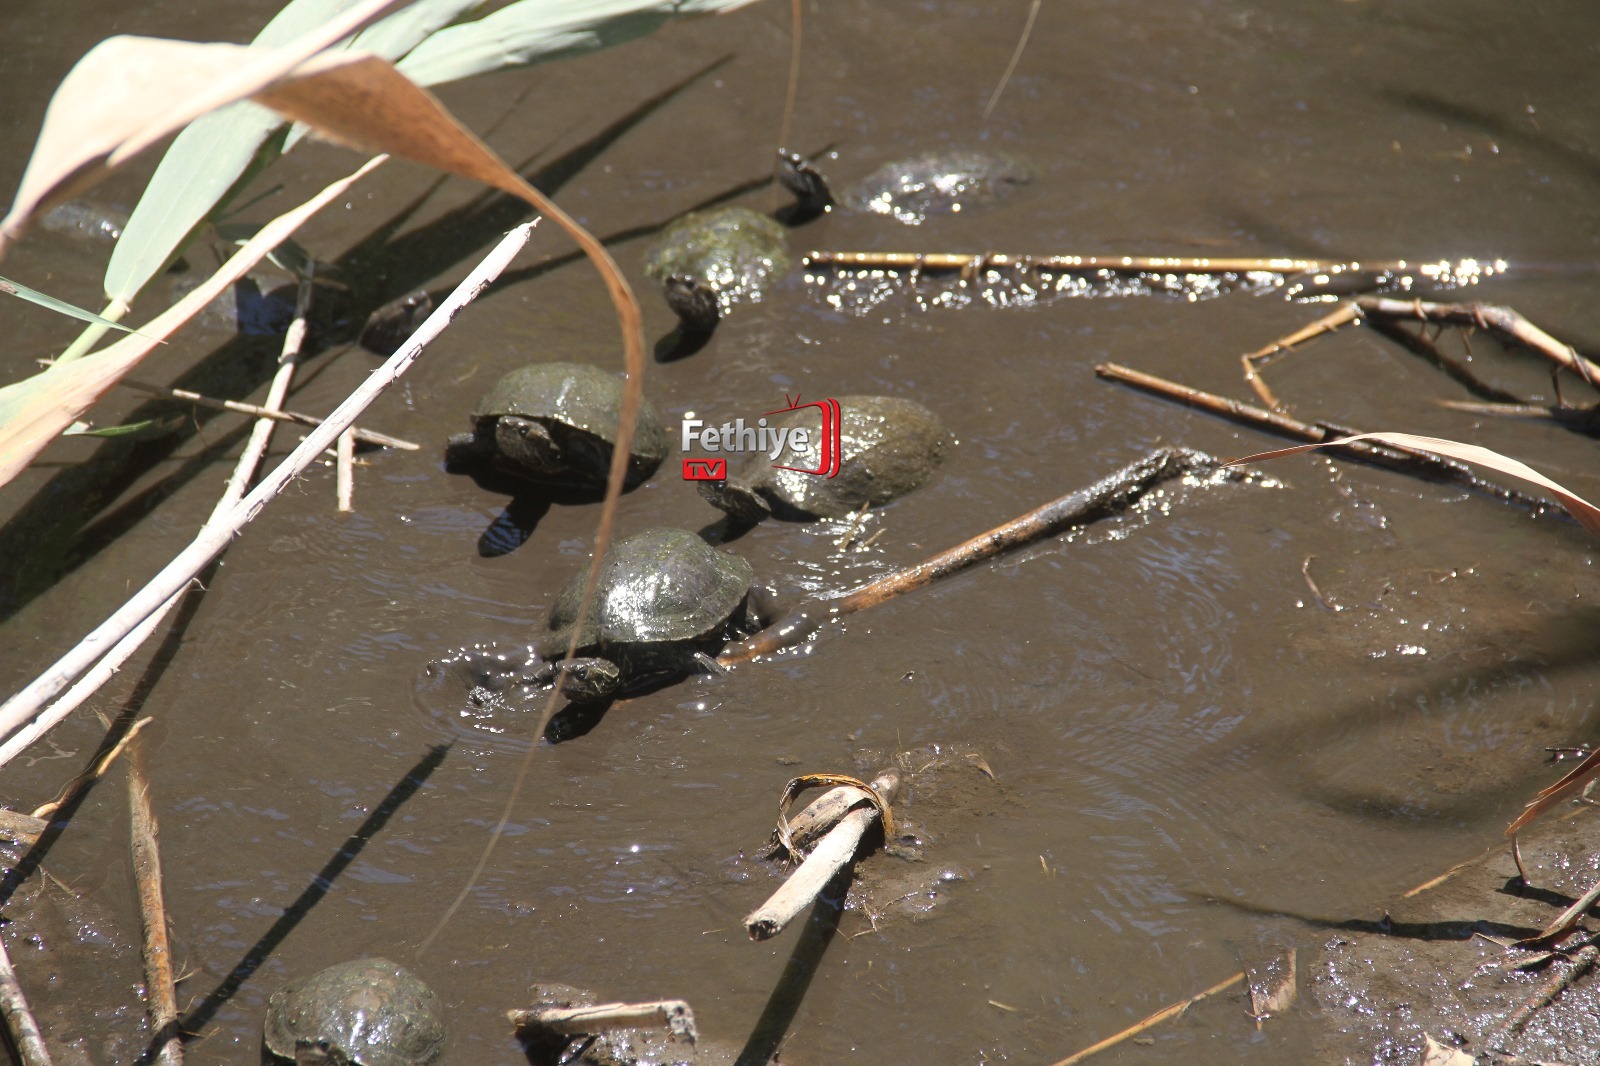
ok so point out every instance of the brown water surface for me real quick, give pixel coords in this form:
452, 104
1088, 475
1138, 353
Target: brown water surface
1197, 762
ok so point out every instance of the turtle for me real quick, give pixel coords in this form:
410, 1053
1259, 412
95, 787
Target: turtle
369, 1012
941, 181
665, 602
887, 446
710, 261
556, 423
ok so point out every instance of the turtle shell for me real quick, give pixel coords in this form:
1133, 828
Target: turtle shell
738, 253
888, 447
370, 1012
655, 587
937, 182
577, 395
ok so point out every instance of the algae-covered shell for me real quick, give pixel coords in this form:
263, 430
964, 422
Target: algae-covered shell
735, 252
577, 409
370, 1012
658, 586
887, 447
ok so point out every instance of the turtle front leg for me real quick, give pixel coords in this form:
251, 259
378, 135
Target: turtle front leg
589, 679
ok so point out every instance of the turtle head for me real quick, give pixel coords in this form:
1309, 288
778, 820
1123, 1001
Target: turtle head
741, 501
693, 301
811, 191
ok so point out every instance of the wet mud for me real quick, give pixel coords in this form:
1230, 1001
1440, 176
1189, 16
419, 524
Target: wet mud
1246, 701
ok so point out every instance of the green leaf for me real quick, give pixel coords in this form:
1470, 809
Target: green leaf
535, 31
59, 306
148, 429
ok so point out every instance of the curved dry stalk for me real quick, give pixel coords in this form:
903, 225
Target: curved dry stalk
1016, 57
160, 987
22, 710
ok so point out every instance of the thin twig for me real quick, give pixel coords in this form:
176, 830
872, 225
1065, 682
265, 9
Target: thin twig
1016, 56
1106, 496
25, 1034
365, 436
1405, 460
22, 710
1151, 1022
160, 988
70, 790
1503, 322
1258, 360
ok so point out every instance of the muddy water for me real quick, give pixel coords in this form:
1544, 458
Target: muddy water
1197, 761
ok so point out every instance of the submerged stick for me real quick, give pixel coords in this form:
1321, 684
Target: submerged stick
1106, 496
1404, 460
675, 1015
1171, 1011
160, 987
22, 710
835, 852
25, 1034
365, 436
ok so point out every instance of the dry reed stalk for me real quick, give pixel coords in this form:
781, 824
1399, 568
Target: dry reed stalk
365, 436
832, 855
1412, 461
1105, 496
20, 715
674, 1015
1171, 1011
160, 987
345, 471
1503, 322
70, 790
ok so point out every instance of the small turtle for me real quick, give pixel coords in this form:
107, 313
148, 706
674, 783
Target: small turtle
370, 1012
710, 261
556, 423
887, 447
943, 181
665, 602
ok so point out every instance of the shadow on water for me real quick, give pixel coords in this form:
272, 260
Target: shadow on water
197, 1017
772, 1028
61, 527
1464, 929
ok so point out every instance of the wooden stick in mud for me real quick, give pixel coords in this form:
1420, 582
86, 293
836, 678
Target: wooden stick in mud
161, 991
365, 436
24, 1030
1404, 460
1171, 1011
1106, 496
1503, 322
674, 1015
1582, 962
20, 715
834, 853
